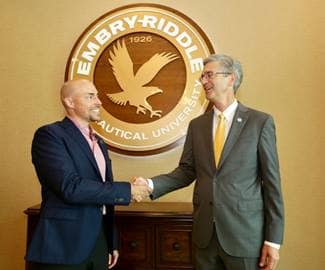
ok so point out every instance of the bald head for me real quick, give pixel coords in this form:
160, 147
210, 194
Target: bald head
71, 88
80, 100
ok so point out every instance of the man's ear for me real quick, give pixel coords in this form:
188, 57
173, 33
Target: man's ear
68, 102
232, 79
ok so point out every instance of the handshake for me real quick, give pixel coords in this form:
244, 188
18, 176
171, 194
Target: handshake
140, 189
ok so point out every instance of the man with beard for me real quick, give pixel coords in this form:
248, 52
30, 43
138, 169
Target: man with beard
76, 227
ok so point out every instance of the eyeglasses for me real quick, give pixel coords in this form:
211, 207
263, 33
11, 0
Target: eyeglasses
210, 75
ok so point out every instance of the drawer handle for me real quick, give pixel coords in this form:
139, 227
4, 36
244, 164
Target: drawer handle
176, 246
133, 244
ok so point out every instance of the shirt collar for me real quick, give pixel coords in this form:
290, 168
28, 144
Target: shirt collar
228, 112
84, 129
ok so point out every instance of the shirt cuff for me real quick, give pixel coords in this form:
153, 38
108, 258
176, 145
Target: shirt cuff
150, 183
271, 244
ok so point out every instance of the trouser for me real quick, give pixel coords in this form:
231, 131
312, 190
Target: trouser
213, 257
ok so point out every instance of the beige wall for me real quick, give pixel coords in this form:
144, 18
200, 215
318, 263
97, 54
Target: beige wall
281, 45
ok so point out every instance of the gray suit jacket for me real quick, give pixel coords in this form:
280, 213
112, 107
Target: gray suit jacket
242, 197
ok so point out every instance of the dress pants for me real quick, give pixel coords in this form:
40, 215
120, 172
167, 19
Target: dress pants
213, 257
97, 260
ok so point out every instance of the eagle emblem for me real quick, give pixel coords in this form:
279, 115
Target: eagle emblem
133, 85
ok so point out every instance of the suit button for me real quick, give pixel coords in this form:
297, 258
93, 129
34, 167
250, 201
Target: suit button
211, 203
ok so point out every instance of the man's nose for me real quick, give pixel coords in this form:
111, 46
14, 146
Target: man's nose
204, 80
98, 101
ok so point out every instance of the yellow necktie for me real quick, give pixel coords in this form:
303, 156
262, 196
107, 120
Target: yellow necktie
219, 138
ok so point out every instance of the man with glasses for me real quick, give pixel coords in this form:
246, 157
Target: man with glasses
238, 218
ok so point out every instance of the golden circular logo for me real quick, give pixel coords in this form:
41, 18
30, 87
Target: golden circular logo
145, 61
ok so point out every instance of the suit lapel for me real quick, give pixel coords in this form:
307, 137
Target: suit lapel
208, 122
237, 125
77, 137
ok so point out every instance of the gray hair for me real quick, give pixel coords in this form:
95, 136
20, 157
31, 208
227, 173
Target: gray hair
229, 65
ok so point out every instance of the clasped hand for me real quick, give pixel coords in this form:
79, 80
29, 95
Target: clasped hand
140, 189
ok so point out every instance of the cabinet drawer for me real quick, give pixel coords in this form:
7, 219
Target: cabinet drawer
136, 246
174, 246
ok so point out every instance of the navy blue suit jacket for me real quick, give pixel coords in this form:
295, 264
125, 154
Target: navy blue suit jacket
72, 196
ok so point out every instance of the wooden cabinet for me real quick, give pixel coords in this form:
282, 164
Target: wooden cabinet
152, 235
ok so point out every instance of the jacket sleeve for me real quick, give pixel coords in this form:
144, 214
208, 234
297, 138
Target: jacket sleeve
271, 182
180, 177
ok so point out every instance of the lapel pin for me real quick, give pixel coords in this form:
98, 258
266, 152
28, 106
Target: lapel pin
239, 120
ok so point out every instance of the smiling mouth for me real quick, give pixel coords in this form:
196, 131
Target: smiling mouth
208, 90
